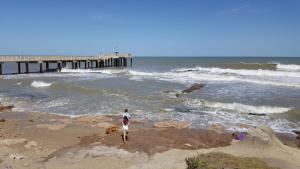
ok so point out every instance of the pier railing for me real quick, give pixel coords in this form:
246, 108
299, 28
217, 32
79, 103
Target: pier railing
27, 58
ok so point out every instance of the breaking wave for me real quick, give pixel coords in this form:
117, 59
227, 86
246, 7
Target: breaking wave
40, 84
199, 74
242, 72
238, 107
288, 67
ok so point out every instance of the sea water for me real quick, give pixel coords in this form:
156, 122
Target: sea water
234, 87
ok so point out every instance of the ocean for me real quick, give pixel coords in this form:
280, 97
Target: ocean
151, 90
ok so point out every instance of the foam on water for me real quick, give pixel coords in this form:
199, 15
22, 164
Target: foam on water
243, 72
237, 107
73, 74
66, 87
288, 67
40, 84
233, 115
198, 75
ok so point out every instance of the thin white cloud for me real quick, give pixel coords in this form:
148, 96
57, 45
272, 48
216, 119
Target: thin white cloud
246, 6
97, 17
238, 8
234, 10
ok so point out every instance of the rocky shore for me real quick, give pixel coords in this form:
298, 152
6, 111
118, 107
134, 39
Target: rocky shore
41, 140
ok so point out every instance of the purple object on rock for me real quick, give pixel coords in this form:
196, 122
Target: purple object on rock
240, 136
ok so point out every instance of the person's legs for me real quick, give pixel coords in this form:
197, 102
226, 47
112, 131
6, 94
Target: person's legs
124, 136
127, 136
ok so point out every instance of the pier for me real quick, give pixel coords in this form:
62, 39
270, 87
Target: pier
77, 62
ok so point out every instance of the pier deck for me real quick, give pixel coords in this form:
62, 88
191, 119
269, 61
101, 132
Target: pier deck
99, 61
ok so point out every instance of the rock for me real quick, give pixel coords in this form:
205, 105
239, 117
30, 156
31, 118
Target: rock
30, 145
2, 120
188, 144
263, 133
8, 142
296, 132
194, 87
51, 126
6, 108
170, 124
16, 156
104, 125
257, 114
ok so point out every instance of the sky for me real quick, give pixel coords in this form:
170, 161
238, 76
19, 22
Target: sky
151, 27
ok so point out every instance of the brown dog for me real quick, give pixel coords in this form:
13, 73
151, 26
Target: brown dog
111, 129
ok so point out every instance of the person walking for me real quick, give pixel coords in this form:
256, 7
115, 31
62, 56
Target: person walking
125, 124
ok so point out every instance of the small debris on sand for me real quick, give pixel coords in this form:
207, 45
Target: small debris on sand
188, 144
30, 145
111, 130
16, 156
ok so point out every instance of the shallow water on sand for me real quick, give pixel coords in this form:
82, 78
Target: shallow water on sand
234, 87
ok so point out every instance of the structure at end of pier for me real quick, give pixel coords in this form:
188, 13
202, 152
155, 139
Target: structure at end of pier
89, 62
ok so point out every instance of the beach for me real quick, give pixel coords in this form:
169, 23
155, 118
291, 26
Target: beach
44, 140
179, 107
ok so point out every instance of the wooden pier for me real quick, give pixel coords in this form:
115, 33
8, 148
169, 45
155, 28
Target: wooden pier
89, 62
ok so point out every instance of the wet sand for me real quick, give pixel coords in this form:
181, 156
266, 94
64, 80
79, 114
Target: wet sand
53, 141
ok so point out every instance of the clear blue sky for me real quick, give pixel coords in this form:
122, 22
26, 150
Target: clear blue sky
151, 27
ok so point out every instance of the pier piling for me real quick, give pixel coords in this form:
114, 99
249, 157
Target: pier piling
47, 66
59, 66
41, 67
1, 69
19, 67
26, 67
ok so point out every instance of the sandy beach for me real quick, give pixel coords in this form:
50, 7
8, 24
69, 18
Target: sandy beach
41, 140
155, 84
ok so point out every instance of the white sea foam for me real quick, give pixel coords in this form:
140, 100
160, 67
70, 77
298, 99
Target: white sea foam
237, 107
57, 103
185, 76
104, 71
288, 67
65, 70
243, 72
18, 84
40, 84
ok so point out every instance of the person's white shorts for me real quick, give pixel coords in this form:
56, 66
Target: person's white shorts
125, 128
